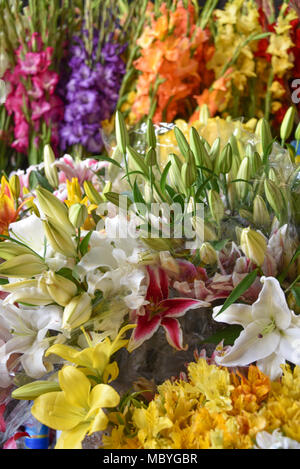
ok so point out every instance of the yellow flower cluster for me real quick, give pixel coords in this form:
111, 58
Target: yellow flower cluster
213, 409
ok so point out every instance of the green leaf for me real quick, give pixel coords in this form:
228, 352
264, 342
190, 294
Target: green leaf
229, 335
35, 179
69, 274
219, 245
108, 159
163, 178
137, 195
296, 293
238, 291
84, 245
3, 281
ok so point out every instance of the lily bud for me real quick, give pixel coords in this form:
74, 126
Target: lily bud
78, 213
59, 240
151, 137
54, 209
59, 288
158, 244
77, 312
137, 162
31, 391
255, 163
188, 174
246, 214
216, 205
50, 169
92, 194
151, 158
215, 149
208, 254
266, 135
297, 132
23, 266
223, 162
274, 196
9, 249
121, 133
287, 123
261, 215
175, 173
254, 245
15, 186
26, 291
203, 230
234, 146
243, 173
273, 177
204, 114
182, 142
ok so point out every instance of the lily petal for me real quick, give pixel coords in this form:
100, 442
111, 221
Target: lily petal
289, 346
99, 423
154, 292
251, 346
235, 314
173, 333
76, 386
52, 409
72, 439
103, 395
270, 366
176, 307
144, 330
271, 302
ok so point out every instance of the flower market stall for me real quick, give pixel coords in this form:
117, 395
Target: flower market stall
149, 224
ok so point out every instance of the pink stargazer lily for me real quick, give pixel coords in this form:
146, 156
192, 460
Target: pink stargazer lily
161, 311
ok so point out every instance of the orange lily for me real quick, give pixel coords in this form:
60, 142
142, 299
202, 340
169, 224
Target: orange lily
9, 211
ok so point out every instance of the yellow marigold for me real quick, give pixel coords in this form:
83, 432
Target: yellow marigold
249, 392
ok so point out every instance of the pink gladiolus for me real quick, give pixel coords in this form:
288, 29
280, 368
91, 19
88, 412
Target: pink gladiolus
31, 64
161, 311
39, 108
47, 81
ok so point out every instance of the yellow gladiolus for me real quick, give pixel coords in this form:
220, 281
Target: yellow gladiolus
77, 410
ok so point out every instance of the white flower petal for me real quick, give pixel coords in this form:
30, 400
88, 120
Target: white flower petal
270, 365
29, 231
290, 345
234, 314
271, 303
250, 346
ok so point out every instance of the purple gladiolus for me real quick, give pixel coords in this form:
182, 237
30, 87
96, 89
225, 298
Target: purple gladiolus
90, 91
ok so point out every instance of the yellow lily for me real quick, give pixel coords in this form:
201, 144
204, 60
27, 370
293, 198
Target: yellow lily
75, 197
77, 409
94, 360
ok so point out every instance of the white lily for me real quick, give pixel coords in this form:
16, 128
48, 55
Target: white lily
28, 337
271, 332
275, 440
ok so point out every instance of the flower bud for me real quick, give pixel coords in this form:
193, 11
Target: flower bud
254, 245
59, 240
242, 187
261, 215
175, 173
246, 215
203, 230
223, 161
31, 391
158, 244
266, 135
274, 196
121, 133
50, 169
77, 312
215, 149
15, 186
59, 288
26, 291
216, 205
151, 158
136, 162
92, 194
78, 213
255, 163
151, 137
188, 175
54, 209
287, 123
204, 114
182, 142
208, 254
22, 266
297, 132
9, 249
